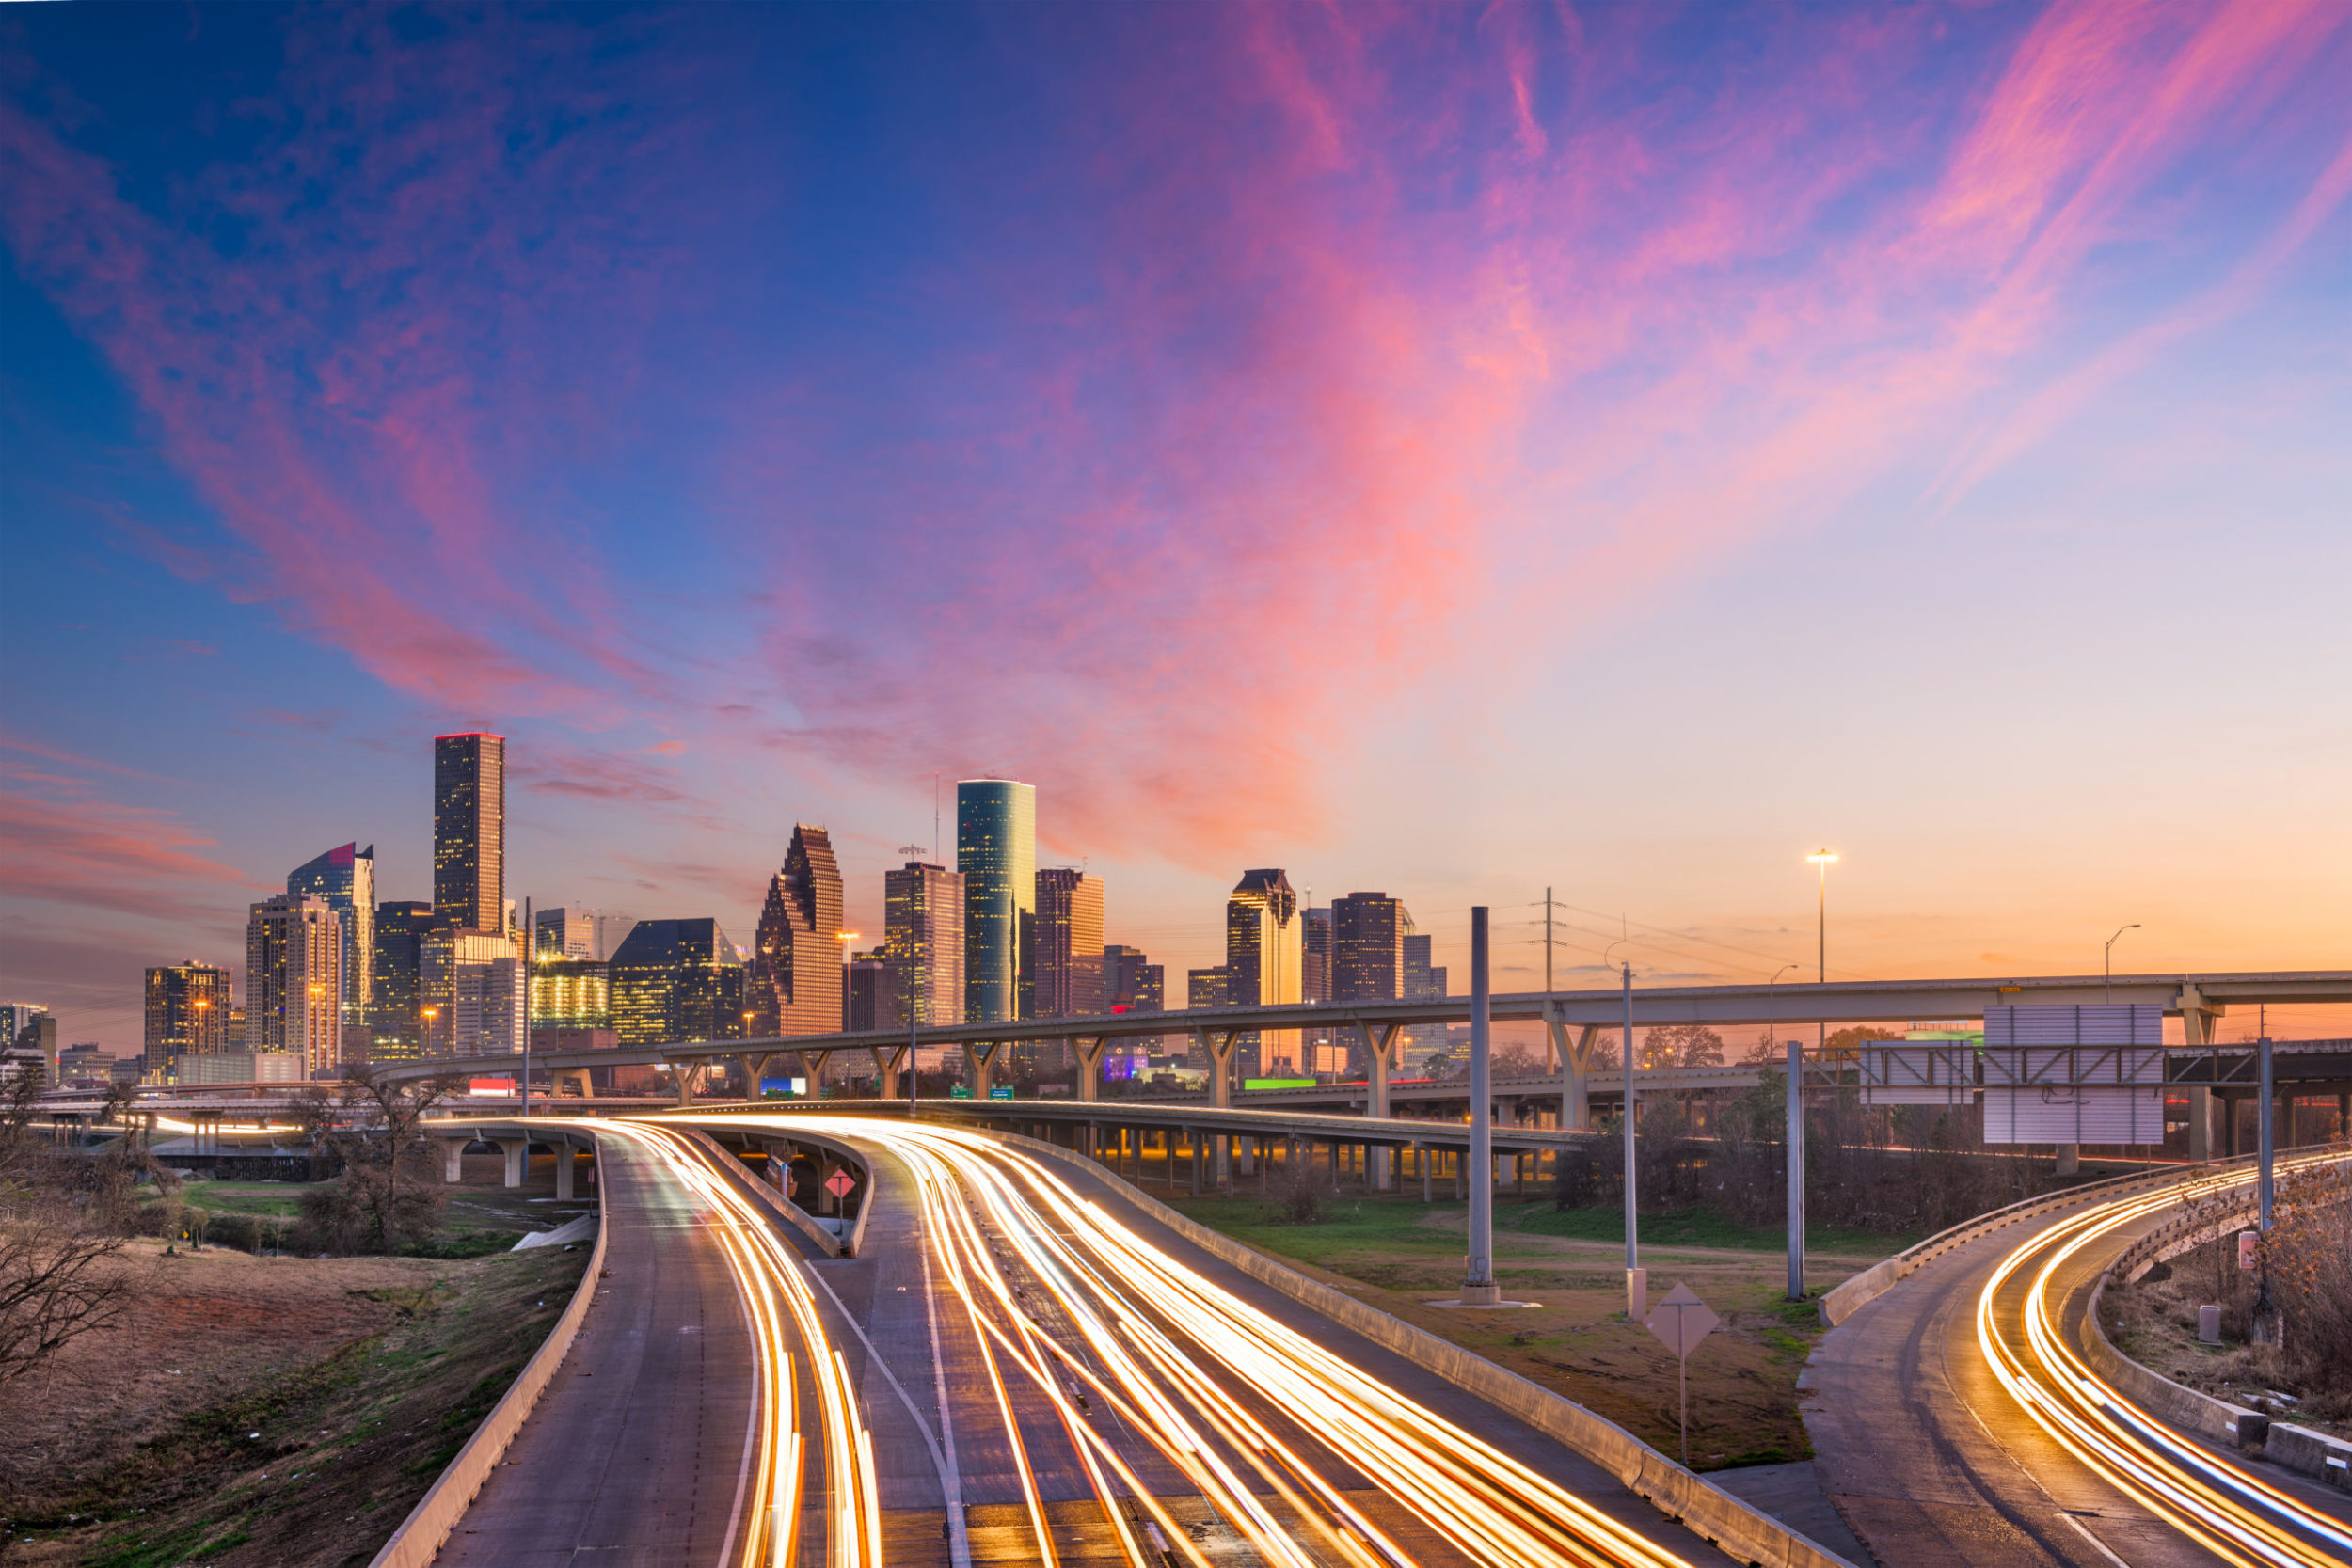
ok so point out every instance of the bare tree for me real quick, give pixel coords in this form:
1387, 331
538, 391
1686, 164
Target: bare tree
54, 1241
369, 1129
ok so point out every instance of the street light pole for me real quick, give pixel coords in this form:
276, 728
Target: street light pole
1822, 860
2110, 961
1636, 1278
1478, 1282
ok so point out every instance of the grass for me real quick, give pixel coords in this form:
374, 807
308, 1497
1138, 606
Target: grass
281, 1199
317, 1466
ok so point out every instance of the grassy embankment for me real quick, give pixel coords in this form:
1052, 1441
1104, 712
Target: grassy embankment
1401, 1256
321, 1397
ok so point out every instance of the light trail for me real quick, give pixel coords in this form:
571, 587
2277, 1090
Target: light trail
2236, 1516
782, 1308
1124, 1359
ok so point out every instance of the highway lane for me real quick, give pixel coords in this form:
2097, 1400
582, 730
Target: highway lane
638, 1452
1951, 1423
1111, 1393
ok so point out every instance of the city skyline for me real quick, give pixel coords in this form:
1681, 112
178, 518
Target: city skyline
1617, 456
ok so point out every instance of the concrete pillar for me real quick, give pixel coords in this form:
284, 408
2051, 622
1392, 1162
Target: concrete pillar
981, 1059
564, 1173
682, 1082
1379, 1057
2069, 1159
1421, 1157
576, 1076
517, 1151
1193, 1142
886, 1066
1089, 1054
453, 1159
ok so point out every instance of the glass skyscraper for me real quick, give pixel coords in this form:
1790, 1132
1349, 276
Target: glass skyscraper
795, 984
1263, 962
396, 1025
675, 980
996, 855
470, 831
923, 914
345, 879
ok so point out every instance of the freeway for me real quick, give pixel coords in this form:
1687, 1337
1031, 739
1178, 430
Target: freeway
1954, 1419
1012, 1335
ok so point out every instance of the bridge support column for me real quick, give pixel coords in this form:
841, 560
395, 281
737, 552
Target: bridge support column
887, 1065
1575, 1063
454, 1159
2205, 1107
1197, 1146
1380, 1058
981, 1059
2069, 1159
576, 1076
1421, 1157
517, 1151
563, 1170
1089, 1054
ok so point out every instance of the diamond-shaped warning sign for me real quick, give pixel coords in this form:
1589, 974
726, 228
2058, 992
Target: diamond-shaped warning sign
839, 1183
1681, 1320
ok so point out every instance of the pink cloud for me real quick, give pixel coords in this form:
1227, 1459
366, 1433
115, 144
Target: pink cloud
127, 860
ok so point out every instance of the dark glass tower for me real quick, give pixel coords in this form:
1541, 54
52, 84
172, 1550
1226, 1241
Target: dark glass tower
395, 1026
996, 854
345, 877
675, 980
470, 831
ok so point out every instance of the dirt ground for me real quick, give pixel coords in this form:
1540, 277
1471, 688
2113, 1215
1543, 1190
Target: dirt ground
1402, 1257
271, 1410
2154, 1323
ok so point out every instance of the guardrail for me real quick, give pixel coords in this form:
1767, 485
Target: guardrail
1879, 1277
420, 1536
1731, 1523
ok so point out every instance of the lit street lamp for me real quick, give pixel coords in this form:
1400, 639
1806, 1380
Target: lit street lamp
2111, 942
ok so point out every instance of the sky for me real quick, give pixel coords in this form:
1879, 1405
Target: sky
1455, 450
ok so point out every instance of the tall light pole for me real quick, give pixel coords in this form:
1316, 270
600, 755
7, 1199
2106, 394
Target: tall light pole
1636, 1279
1478, 1282
2111, 942
1820, 859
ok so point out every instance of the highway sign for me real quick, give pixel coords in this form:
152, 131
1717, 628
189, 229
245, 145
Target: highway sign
1681, 1320
839, 1183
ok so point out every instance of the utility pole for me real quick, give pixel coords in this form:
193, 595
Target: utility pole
1636, 1278
1547, 942
527, 944
1796, 1170
1478, 1283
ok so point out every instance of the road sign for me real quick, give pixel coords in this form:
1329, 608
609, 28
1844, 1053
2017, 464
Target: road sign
839, 1183
1680, 1322
1000, 1091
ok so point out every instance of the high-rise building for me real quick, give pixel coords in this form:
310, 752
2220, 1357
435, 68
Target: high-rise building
996, 854
568, 993
1204, 988
923, 940
794, 987
1368, 935
564, 933
294, 981
866, 1003
470, 831
395, 1023
1065, 957
344, 880
474, 992
1263, 950
1315, 954
1133, 984
675, 980
28, 1027
1420, 981
187, 1013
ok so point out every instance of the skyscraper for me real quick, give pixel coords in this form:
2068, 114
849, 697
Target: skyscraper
1324, 1055
1263, 950
1132, 984
1420, 981
866, 1003
29, 1026
470, 831
395, 1027
1066, 945
1368, 932
187, 1013
294, 981
474, 992
996, 854
676, 980
344, 880
795, 984
564, 933
923, 941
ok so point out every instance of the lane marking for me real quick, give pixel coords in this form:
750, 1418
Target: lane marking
959, 1543
2100, 1546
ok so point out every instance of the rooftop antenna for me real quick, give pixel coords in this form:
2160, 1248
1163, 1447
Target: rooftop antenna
935, 859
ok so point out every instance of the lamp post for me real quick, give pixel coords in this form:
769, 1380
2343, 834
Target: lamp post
1636, 1279
1479, 1288
2110, 960
1820, 859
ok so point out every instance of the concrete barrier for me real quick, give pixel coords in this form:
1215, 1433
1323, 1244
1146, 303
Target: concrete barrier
1875, 1281
1724, 1521
426, 1530
792, 1212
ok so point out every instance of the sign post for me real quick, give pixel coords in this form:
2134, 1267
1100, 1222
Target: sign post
1680, 1322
